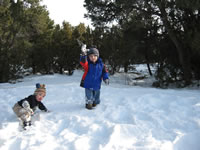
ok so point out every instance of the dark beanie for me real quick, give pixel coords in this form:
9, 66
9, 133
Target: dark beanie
93, 51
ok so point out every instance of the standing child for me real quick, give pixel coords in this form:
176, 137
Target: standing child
25, 108
94, 72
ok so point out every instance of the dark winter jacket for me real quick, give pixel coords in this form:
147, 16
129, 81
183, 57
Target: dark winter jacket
94, 73
33, 103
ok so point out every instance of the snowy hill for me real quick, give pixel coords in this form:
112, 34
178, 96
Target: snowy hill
128, 118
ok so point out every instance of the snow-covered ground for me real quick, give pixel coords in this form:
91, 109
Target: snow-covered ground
128, 118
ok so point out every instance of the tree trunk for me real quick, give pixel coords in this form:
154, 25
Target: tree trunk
183, 59
125, 67
147, 61
149, 69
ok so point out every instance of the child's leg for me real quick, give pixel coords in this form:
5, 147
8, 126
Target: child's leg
22, 114
19, 111
89, 96
96, 97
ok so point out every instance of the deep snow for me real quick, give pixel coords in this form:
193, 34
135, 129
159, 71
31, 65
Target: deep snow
128, 118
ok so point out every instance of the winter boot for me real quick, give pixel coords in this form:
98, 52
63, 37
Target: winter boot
88, 106
94, 105
26, 124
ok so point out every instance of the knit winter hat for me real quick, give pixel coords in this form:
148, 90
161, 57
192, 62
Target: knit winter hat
93, 51
40, 88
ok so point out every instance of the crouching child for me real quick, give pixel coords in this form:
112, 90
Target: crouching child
25, 108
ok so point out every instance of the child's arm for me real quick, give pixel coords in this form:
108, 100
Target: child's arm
105, 73
84, 62
42, 107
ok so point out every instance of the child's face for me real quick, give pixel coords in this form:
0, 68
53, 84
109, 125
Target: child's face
93, 58
40, 96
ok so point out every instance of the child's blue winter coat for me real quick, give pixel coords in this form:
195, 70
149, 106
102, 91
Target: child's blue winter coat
94, 73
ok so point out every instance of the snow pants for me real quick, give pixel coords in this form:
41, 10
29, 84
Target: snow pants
22, 113
92, 96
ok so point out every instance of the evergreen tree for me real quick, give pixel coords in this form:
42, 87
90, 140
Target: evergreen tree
177, 21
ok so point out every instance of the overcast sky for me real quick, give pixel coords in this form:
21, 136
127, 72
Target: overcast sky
71, 11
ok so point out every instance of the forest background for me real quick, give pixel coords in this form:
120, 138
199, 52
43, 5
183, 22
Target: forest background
164, 34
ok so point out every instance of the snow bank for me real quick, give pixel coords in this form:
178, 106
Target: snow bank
128, 118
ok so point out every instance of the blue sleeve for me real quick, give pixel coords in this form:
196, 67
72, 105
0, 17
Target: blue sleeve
83, 59
105, 73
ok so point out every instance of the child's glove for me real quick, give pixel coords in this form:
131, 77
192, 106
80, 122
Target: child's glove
31, 111
84, 49
106, 81
46, 110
